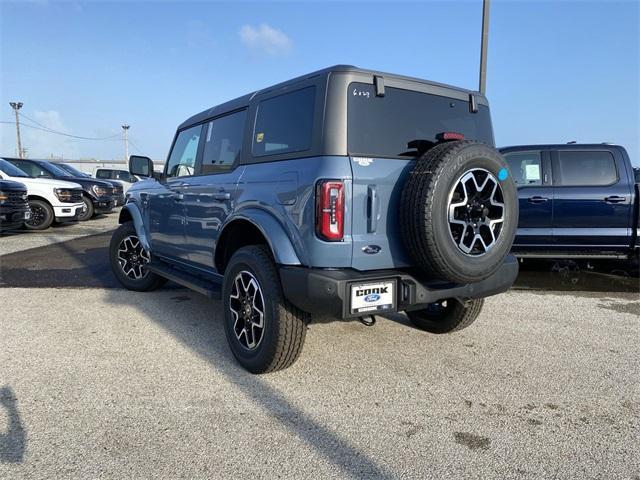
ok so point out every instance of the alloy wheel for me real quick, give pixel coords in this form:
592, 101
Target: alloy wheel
476, 212
132, 258
247, 310
38, 216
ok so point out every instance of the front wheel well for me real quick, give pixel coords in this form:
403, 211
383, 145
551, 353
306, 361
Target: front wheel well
125, 216
236, 235
36, 197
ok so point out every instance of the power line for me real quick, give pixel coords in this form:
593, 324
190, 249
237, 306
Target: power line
55, 132
133, 144
67, 134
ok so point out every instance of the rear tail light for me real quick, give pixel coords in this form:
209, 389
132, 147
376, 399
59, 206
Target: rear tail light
330, 210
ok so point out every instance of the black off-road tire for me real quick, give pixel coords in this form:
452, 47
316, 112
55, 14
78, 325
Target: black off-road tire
150, 281
89, 210
42, 211
446, 319
424, 211
285, 326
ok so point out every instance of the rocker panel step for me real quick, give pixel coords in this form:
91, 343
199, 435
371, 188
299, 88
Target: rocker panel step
210, 288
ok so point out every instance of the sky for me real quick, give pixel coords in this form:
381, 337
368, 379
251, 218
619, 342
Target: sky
557, 71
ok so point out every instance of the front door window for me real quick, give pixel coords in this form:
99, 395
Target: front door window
182, 160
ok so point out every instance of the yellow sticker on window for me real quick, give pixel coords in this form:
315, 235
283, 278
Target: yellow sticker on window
259, 137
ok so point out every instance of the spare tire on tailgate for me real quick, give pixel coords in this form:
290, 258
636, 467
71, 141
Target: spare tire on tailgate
459, 211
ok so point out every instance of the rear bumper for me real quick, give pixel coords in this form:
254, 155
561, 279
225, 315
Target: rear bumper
327, 292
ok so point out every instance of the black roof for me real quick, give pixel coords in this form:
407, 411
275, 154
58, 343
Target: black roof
244, 100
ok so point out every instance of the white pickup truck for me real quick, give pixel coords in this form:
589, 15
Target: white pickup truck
49, 200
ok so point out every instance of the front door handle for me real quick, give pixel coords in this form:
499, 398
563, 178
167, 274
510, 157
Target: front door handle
178, 197
615, 199
538, 199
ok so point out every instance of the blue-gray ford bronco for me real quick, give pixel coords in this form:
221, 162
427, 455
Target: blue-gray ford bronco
345, 193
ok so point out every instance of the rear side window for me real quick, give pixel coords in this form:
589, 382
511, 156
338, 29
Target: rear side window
384, 126
123, 175
586, 168
103, 174
525, 167
223, 143
284, 124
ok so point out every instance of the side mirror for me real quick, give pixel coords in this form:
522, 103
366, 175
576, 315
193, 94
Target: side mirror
141, 166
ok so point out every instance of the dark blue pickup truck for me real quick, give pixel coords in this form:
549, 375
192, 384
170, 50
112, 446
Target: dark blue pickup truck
577, 201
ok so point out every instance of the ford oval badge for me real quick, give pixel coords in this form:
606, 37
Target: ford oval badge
372, 297
371, 249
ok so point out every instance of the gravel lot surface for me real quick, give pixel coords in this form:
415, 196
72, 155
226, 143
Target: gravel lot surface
104, 383
98, 382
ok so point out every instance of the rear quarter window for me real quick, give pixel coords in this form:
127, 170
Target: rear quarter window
284, 124
384, 126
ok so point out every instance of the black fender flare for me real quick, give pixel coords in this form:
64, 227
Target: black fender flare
273, 231
131, 212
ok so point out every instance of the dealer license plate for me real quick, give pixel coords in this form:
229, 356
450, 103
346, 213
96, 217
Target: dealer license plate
372, 297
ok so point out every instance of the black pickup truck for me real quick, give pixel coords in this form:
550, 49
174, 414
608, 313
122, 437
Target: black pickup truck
14, 208
577, 201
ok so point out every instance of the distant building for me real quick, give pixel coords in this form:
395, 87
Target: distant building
91, 165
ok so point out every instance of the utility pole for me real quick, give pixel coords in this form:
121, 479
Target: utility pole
484, 43
17, 106
126, 142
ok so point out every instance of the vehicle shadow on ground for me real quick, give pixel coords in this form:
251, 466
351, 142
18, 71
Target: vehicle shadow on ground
203, 332
573, 276
81, 262
13, 440
84, 263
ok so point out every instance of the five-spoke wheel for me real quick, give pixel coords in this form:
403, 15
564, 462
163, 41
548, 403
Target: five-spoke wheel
128, 259
247, 310
132, 257
476, 212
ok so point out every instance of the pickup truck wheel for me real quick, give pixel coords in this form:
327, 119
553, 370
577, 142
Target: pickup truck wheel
447, 315
459, 211
265, 332
127, 259
42, 215
89, 210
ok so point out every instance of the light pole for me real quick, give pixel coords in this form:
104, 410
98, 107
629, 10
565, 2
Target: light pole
17, 106
484, 43
126, 142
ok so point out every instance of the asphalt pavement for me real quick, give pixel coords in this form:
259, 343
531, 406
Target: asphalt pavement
99, 382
